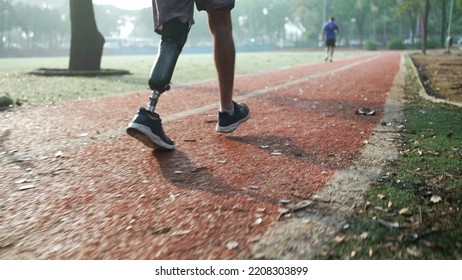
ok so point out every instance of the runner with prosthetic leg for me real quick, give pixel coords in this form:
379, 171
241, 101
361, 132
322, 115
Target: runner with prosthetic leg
173, 20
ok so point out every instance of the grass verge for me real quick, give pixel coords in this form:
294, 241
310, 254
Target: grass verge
413, 211
39, 90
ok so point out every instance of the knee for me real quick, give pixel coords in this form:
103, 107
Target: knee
220, 22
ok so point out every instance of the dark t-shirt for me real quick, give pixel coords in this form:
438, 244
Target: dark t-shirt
330, 29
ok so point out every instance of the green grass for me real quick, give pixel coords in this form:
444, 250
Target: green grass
191, 68
429, 166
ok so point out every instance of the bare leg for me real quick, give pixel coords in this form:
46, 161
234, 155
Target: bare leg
224, 54
329, 53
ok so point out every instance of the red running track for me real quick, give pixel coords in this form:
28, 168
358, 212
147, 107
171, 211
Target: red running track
92, 192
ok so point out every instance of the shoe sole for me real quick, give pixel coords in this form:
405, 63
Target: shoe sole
232, 127
145, 136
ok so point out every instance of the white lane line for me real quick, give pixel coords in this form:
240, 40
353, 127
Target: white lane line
207, 107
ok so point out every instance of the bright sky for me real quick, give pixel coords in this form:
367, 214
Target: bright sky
123, 4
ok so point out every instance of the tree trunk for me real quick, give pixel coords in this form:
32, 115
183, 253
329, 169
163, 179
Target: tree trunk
86, 41
425, 27
413, 20
444, 5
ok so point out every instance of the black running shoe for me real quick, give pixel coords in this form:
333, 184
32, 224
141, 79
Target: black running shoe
147, 128
228, 123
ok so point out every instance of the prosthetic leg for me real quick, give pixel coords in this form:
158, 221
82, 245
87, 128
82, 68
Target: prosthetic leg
174, 36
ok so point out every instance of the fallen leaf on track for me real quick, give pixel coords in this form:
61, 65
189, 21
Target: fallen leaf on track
26, 187
232, 245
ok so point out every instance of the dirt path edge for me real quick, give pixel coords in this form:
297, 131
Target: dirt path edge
306, 233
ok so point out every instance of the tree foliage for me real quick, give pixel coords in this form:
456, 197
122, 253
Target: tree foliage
256, 22
31, 26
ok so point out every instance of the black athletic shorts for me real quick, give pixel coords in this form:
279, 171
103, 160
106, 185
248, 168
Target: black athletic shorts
330, 43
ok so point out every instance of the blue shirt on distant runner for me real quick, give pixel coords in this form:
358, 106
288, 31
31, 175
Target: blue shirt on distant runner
330, 28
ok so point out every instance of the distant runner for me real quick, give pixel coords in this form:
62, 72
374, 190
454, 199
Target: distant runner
329, 34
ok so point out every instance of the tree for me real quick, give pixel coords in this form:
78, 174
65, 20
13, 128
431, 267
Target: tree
411, 8
7, 18
443, 9
425, 26
86, 41
416, 8
310, 15
355, 14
